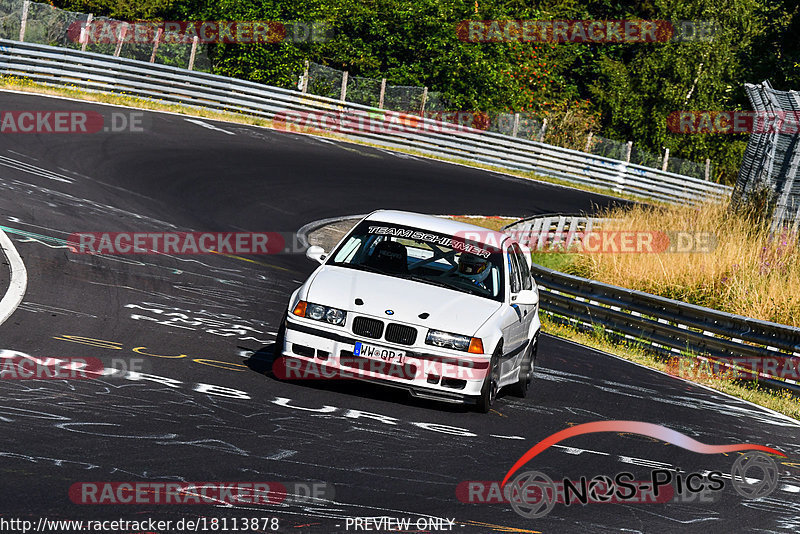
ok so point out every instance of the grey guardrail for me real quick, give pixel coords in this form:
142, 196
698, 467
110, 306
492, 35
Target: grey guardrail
665, 325
97, 72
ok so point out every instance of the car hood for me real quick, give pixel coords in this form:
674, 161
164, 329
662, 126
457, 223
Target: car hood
448, 310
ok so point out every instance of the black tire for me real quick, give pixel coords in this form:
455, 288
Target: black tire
277, 348
520, 389
490, 388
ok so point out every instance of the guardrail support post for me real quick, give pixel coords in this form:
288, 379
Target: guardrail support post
383, 93
588, 142
343, 94
24, 20
424, 101
708, 169
85, 32
304, 87
543, 130
628, 150
123, 31
195, 40
515, 129
159, 33
665, 163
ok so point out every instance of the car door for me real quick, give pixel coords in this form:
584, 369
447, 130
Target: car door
514, 317
528, 310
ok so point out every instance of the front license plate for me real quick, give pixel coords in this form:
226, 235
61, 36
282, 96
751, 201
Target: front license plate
379, 353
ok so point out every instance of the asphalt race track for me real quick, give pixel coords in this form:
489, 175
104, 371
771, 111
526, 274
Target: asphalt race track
191, 338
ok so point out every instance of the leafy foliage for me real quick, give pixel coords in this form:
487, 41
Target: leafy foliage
623, 91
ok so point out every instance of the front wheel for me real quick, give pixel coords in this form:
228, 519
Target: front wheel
520, 388
277, 348
490, 383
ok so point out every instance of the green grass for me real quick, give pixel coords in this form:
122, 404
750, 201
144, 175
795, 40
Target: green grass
557, 261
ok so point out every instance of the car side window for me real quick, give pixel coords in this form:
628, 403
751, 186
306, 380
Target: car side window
524, 270
513, 272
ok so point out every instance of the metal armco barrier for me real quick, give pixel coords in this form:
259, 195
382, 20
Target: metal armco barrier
289, 109
667, 326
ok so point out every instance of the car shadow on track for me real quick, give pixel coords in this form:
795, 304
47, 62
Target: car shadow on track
262, 360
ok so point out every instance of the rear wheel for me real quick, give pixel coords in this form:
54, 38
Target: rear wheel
520, 389
490, 383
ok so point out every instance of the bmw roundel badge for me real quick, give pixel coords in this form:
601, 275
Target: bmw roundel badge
389, 312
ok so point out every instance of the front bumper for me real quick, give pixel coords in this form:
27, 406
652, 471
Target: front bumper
425, 372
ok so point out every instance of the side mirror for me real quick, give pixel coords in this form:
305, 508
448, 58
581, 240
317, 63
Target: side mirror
527, 297
316, 253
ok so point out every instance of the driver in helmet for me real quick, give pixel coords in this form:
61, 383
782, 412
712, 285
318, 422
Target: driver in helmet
474, 268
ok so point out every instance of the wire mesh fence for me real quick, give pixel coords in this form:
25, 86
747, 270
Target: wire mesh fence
324, 81
436, 102
687, 167
404, 98
52, 26
334, 83
328, 82
49, 25
646, 158
607, 148
365, 91
10, 18
45, 24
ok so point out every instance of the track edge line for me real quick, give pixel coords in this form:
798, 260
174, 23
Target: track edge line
18, 282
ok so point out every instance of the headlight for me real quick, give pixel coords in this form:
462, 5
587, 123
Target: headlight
315, 311
318, 312
454, 341
335, 316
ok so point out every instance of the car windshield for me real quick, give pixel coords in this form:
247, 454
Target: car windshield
423, 256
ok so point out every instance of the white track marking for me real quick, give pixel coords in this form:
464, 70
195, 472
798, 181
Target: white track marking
33, 169
19, 279
209, 126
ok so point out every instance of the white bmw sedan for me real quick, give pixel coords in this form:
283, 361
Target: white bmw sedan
443, 309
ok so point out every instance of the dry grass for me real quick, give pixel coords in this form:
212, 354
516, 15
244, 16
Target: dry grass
748, 273
781, 401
